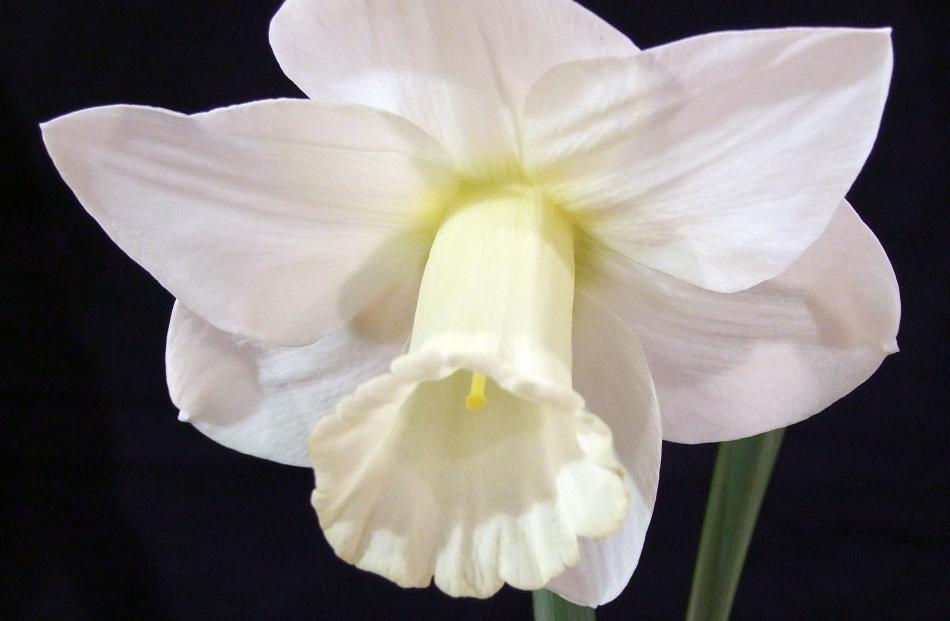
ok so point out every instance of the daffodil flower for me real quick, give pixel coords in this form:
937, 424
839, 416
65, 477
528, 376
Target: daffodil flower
495, 257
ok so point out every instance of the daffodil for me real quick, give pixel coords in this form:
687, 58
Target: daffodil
495, 258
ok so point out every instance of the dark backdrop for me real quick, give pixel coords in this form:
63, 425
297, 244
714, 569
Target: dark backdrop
113, 509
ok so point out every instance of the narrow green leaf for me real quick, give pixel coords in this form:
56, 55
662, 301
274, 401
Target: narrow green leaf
549, 606
740, 478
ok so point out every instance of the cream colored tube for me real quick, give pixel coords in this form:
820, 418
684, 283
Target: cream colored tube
499, 282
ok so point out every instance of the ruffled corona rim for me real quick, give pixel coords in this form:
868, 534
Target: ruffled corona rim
402, 492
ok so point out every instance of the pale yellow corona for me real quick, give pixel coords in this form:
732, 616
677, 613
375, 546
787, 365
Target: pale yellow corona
494, 315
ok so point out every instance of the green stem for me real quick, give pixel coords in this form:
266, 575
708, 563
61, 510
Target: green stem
549, 606
739, 481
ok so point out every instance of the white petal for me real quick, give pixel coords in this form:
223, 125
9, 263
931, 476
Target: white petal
728, 366
717, 159
264, 400
611, 372
277, 220
457, 68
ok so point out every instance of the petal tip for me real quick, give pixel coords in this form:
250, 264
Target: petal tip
51, 131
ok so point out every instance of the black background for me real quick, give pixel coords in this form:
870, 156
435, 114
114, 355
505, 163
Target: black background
113, 509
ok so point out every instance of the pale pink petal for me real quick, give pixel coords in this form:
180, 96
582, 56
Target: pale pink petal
717, 159
457, 68
263, 399
611, 373
277, 220
732, 365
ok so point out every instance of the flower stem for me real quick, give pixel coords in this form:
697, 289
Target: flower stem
740, 478
549, 606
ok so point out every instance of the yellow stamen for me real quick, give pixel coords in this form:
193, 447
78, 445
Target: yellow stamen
476, 395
